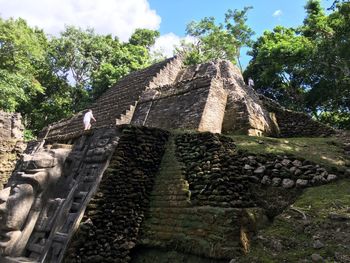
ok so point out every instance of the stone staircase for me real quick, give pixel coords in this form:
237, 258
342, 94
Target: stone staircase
171, 188
60, 206
174, 223
118, 101
125, 118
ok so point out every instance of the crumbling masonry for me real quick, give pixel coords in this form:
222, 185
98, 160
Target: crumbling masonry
130, 186
11, 143
208, 97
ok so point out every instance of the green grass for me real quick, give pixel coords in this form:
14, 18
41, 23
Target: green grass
28, 135
317, 203
325, 199
325, 151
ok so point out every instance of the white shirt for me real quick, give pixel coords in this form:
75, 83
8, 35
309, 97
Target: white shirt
88, 116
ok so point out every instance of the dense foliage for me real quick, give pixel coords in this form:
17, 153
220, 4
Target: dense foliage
307, 68
22, 54
222, 40
49, 78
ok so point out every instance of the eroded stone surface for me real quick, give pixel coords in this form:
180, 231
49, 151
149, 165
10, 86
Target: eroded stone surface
117, 104
47, 195
23, 196
206, 97
187, 207
11, 143
112, 221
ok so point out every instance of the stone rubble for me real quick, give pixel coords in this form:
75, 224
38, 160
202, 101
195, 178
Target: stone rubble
11, 144
111, 224
116, 177
221, 176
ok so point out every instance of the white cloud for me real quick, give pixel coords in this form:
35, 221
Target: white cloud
277, 13
167, 43
117, 17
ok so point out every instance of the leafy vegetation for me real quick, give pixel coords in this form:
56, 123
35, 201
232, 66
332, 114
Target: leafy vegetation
312, 225
307, 68
49, 78
21, 56
325, 151
223, 40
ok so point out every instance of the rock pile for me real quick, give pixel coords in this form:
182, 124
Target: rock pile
11, 143
8, 156
112, 220
295, 124
219, 175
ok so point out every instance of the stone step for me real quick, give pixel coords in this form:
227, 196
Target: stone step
60, 237
171, 180
36, 248
168, 198
170, 203
170, 189
75, 207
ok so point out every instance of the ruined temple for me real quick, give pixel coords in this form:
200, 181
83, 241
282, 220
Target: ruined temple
139, 182
11, 143
207, 97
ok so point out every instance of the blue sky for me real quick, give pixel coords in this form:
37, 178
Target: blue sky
121, 17
265, 15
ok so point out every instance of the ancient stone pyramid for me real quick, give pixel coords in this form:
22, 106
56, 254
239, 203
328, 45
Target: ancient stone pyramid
100, 181
207, 97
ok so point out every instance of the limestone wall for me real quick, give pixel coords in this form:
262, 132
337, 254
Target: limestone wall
46, 196
176, 223
11, 143
111, 223
295, 124
214, 111
197, 104
209, 199
118, 100
11, 126
245, 113
206, 97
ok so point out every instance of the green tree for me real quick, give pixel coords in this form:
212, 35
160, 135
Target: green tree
22, 53
124, 58
92, 63
278, 66
47, 80
76, 55
143, 37
330, 93
307, 68
222, 40
336, 2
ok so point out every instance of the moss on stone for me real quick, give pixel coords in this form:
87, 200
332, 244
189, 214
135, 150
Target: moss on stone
325, 151
317, 223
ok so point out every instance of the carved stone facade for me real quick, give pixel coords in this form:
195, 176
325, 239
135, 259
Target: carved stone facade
198, 198
116, 105
25, 195
207, 97
294, 124
46, 196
